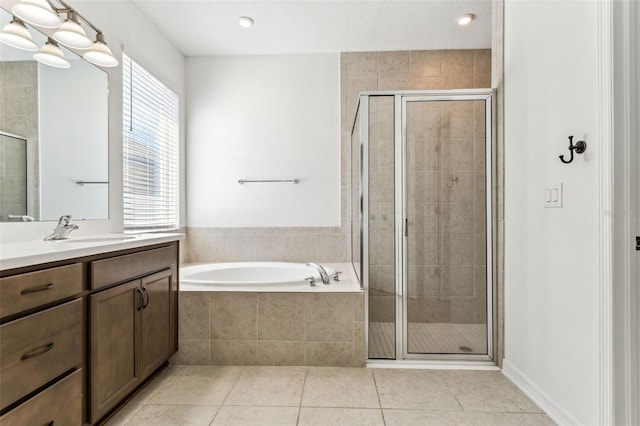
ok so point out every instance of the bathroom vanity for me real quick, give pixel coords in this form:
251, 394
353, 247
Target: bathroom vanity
83, 324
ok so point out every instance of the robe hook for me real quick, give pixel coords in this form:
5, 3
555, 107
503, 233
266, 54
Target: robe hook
579, 148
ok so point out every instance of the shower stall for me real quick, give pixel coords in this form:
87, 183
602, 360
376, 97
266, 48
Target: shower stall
421, 223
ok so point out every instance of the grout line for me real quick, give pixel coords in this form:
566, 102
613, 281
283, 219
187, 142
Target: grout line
146, 400
375, 384
304, 383
215, 415
257, 326
456, 398
209, 298
231, 388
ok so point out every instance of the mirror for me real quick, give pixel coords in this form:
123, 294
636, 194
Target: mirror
54, 141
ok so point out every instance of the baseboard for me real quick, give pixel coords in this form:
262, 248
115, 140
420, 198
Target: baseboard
557, 413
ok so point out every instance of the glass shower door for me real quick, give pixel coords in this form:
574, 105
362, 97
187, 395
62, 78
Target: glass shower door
445, 201
382, 217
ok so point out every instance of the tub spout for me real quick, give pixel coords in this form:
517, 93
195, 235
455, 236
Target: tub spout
322, 271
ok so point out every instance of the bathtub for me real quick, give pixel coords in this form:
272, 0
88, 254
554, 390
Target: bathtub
264, 277
265, 313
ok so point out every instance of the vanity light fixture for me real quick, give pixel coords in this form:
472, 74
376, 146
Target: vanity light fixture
246, 21
46, 14
51, 54
71, 34
465, 19
37, 12
100, 54
16, 34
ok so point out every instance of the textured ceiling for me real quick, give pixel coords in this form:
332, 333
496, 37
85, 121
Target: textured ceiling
208, 27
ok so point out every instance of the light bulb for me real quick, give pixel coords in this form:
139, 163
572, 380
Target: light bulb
100, 54
37, 12
71, 34
16, 34
465, 19
50, 54
245, 22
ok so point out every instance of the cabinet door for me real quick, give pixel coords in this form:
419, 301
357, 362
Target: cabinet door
114, 345
155, 321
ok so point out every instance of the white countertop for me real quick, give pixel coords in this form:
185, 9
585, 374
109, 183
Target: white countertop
26, 253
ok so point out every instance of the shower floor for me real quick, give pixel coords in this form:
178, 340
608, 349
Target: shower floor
438, 338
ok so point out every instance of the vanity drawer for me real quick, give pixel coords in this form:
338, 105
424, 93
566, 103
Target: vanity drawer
25, 291
124, 268
38, 348
60, 404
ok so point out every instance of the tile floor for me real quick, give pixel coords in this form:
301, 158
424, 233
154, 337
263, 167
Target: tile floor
218, 395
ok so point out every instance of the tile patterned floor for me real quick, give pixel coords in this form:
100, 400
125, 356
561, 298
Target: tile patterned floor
438, 338
280, 396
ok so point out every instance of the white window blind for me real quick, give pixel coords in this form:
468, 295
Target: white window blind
150, 145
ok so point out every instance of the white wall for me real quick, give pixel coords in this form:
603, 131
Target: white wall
124, 27
263, 117
551, 255
73, 132
626, 293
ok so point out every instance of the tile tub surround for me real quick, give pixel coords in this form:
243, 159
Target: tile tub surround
268, 244
232, 395
266, 328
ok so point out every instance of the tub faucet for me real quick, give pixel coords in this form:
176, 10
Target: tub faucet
63, 229
322, 271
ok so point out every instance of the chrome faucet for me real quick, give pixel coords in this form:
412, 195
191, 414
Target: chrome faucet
63, 229
322, 271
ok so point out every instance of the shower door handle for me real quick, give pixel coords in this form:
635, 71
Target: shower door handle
406, 227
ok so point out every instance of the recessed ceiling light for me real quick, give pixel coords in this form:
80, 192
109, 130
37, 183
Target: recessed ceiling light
465, 19
245, 22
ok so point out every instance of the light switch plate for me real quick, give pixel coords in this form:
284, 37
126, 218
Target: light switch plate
553, 196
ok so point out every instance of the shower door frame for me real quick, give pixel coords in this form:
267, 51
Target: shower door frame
401, 206
402, 356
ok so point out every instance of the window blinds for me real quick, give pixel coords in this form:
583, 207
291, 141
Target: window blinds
150, 150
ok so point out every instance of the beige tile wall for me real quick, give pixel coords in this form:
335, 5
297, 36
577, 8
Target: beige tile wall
19, 116
233, 328
267, 244
446, 244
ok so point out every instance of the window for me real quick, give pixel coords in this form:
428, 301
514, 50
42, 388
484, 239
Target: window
150, 144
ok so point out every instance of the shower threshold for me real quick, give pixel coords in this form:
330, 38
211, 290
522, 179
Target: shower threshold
428, 338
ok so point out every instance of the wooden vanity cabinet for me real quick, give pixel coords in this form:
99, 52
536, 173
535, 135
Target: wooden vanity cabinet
41, 345
132, 327
78, 336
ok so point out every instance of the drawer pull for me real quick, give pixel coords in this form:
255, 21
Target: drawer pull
139, 308
41, 350
37, 289
144, 289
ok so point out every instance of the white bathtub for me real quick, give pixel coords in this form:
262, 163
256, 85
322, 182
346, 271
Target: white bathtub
264, 277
